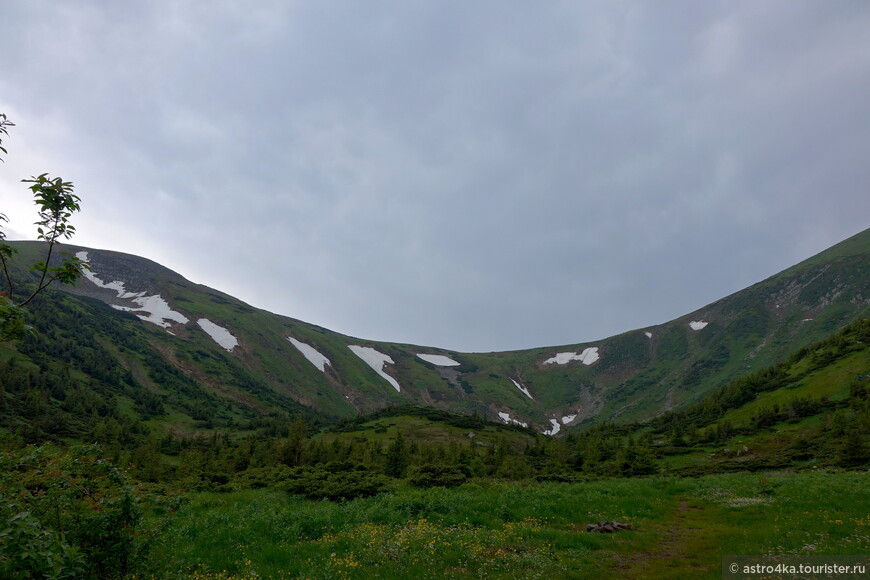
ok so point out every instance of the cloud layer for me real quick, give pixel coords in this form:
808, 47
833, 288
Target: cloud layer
476, 176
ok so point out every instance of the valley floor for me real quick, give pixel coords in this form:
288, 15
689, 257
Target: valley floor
681, 528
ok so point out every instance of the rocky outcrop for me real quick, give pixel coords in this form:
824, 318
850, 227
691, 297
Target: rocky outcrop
607, 527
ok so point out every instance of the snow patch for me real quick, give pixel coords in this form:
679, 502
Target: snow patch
553, 430
568, 418
698, 324
156, 308
309, 352
648, 334
219, 334
507, 419
587, 357
376, 360
439, 360
523, 389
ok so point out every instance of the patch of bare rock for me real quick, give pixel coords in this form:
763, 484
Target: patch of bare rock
607, 527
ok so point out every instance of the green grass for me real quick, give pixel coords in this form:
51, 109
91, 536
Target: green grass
831, 381
682, 528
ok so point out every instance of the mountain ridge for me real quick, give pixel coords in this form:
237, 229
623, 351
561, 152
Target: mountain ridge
634, 375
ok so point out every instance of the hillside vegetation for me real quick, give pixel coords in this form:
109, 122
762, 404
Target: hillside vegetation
176, 377
134, 450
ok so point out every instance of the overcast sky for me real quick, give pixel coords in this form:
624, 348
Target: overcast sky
478, 176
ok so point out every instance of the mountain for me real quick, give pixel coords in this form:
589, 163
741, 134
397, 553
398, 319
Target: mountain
811, 410
188, 357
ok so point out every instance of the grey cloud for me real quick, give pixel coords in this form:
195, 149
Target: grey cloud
470, 175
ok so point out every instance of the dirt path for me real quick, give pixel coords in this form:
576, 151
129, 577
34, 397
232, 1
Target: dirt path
683, 550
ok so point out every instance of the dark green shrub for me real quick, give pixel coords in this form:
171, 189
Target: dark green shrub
29, 550
77, 511
438, 476
259, 477
337, 481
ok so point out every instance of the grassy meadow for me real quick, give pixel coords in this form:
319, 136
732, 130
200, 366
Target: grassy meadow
681, 528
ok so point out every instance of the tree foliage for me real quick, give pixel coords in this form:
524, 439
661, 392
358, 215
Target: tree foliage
68, 514
5, 123
56, 203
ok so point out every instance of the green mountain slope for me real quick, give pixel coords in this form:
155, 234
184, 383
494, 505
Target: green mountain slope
190, 358
812, 409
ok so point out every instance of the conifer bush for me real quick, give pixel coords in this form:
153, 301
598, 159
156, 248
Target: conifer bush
438, 476
335, 481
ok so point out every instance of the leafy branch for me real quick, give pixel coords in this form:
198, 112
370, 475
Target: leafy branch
56, 204
4, 123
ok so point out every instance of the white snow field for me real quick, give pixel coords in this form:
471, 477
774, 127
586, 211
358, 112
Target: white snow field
309, 352
156, 308
439, 360
508, 420
555, 429
698, 324
568, 418
587, 357
648, 334
523, 389
376, 360
219, 334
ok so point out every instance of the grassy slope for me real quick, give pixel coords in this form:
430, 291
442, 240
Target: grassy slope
424, 430
805, 378
636, 377
831, 382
